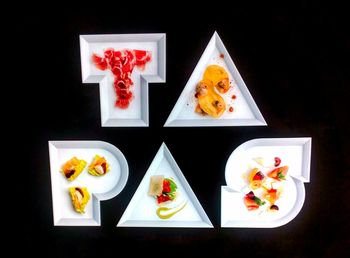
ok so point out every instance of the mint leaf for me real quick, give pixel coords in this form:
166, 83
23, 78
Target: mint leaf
281, 176
258, 201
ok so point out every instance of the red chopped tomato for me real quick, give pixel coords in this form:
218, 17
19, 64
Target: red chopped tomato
163, 198
166, 186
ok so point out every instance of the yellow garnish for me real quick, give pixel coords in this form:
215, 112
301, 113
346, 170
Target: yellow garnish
166, 213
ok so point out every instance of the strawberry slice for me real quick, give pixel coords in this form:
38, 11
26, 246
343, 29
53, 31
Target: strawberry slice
258, 176
250, 204
279, 173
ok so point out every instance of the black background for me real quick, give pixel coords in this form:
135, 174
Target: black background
295, 63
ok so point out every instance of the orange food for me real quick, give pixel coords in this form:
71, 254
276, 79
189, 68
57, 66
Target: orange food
72, 168
271, 195
256, 179
250, 204
209, 101
279, 173
218, 76
98, 166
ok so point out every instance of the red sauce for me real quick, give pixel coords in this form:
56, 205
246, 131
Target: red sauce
122, 63
196, 95
234, 96
230, 109
222, 55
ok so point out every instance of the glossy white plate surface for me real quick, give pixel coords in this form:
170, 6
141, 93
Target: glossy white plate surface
100, 188
137, 113
294, 152
141, 211
246, 112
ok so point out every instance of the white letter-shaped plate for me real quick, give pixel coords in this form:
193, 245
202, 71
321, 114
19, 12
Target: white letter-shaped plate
261, 153
99, 187
136, 114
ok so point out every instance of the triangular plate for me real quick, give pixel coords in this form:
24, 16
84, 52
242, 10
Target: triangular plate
245, 111
141, 211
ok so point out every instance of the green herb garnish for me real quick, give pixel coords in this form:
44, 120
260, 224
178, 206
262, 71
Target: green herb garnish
258, 201
281, 176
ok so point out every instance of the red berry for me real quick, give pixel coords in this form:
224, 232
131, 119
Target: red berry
258, 176
250, 195
277, 161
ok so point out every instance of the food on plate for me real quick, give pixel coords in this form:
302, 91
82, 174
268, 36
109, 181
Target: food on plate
72, 168
80, 197
163, 189
166, 213
209, 102
256, 179
252, 202
272, 196
218, 76
277, 161
275, 175
278, 173
215, 81
98, 166
122, 63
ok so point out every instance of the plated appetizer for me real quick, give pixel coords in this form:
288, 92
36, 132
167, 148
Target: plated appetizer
72, 168
218, 76
165, 192
256, 179
122, 63
262, 181
215, 82
98, 166
252, 202
272, 195
163, 189
80, 197
279, 173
